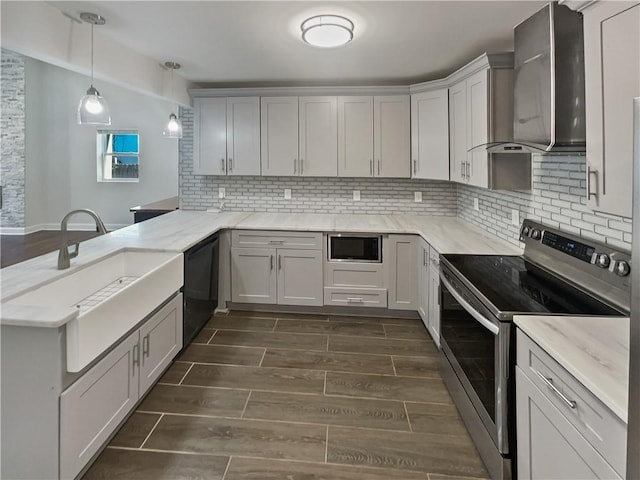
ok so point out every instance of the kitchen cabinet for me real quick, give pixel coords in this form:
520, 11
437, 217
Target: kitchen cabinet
401, 253
423, 282
94, 406
458, 131
477, 167
279, 136
392, 136
612, 80
355, 284
226, 136
374, 136
434, 296
271, 272
430, 134
563, 430
318, 136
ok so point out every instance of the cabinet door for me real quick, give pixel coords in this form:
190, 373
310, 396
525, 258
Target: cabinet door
612, 80
392, 136
210, 136
161, 339
434, 296
94, 406
243, 136
402, 267
430, 134
279, 135
253, 275
355, 136
300, 277
423, 282
478, 128
458, 132
549, 447
318, 119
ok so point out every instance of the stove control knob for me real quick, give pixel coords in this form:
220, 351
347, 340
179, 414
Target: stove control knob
622, 268
603, 260
526, 231
535, 234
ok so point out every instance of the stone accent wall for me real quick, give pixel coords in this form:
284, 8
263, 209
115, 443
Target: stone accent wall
12, 128
308, 194
558, 199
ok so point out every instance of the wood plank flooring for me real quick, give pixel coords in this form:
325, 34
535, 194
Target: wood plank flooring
18, 248
297, 397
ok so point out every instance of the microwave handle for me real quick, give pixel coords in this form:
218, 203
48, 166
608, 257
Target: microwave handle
467, 306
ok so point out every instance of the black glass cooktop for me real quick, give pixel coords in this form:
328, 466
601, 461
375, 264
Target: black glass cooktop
513, 285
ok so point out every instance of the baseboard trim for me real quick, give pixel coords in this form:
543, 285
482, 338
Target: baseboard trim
12, 231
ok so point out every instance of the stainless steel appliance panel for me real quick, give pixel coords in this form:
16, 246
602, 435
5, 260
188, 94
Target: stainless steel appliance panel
346, 247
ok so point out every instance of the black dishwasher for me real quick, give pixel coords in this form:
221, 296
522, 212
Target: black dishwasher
200, 291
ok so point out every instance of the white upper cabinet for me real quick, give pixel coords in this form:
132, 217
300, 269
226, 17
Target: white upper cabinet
355, 136
227, 136
243, 136
318, 136
210, 136
430, 134
391, 134
612, 80
279, 139
458, 131
477, 128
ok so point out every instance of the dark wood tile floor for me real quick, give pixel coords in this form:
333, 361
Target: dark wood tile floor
18, 248
297, 397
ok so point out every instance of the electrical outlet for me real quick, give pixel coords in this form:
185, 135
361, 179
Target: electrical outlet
287, 194
222, 192
476, 204
356, 195
515, 217
417, 197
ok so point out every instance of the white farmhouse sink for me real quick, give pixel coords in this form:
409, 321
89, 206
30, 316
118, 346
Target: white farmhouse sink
112, 295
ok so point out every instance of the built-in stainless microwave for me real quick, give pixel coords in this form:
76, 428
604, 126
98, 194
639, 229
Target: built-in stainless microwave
358, 247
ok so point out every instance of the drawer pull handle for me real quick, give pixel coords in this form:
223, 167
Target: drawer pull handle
146, 346
355, 299
549, 382
276, 242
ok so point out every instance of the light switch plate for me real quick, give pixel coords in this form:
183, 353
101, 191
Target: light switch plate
287, 194
356, 195
476, 204
222, 192
515, 217
417, 197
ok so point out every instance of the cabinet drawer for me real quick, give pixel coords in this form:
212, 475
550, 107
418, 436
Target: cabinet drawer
356, 297
348, 274
261, 238
599, 425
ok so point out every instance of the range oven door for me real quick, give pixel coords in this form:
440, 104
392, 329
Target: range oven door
477, 346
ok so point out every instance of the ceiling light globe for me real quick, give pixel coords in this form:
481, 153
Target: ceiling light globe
173, 128
327, 31
93, 109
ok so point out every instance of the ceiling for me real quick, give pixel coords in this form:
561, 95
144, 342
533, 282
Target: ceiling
251, 43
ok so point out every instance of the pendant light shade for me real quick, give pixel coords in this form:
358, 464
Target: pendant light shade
93, 109
174, 125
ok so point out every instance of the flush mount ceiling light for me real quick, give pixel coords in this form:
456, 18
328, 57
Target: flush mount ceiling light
327, 31
93, 109
174, 125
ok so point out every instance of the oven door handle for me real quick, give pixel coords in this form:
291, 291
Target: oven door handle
469, 308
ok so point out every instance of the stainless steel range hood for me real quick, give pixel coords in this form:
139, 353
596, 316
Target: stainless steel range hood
549, 110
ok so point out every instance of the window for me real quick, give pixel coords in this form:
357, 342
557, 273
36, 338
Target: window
118, 155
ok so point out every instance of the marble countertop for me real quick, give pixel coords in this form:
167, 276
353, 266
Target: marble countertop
181, 229
595, 350
164, 205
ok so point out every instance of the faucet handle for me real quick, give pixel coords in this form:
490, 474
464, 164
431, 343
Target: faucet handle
74, 254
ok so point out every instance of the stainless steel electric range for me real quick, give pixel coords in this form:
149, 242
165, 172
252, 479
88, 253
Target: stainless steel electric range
558, 274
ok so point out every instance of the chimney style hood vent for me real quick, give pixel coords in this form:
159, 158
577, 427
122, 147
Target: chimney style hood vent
549, 105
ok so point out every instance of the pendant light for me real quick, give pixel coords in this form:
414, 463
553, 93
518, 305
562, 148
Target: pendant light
174, 125
93, 109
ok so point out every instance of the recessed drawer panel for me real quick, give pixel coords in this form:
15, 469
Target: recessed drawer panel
262, 238
356, 297
348, 274
599, 425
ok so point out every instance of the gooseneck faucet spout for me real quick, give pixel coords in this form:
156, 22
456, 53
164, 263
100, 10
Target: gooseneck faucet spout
64, 257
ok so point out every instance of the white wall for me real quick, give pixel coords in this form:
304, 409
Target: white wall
61, 155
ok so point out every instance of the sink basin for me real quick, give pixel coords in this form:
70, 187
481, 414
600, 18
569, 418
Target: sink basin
111, 295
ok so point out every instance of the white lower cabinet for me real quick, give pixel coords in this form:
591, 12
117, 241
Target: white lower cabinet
429, 289
357, 284
563, 430
95, 405
401, 253
423, 282
284, 276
